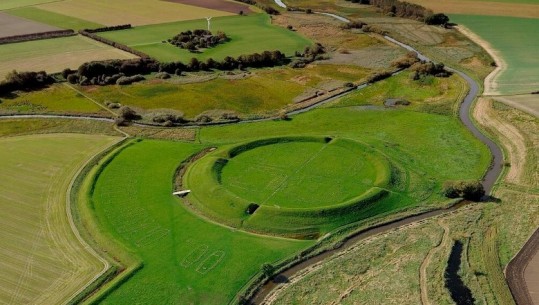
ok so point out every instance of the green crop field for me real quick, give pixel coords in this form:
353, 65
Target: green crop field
42, 262
248, 34
515, 39
186, 259
54, 19
45, 54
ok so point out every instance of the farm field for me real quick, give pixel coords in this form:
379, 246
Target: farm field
12, 26
9, 4
513, 39
20, 126
45, 55
263, 91
525, 8
42, 262
135, 12
54, 19
248, 34
186, 259
221, 5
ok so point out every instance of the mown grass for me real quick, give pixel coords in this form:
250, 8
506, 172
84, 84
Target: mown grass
43, 259
54, 19
248, 34
314, 175
186, 259
514, 38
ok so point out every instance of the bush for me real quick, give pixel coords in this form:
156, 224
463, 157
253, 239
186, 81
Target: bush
127, 114
378, 76
268, 270
437, 19
405, 61
128, 80
162, 75
73, 78
467, 189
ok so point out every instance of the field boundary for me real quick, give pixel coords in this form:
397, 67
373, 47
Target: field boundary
490, 86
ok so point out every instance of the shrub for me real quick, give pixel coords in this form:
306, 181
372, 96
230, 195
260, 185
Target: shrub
268, 270
437, 19
467, 189
378, 76
73, 78
162, 75
405, 61
128, 80
127, 113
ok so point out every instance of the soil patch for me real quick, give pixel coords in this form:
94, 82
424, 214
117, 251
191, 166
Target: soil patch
12, 26
220, 5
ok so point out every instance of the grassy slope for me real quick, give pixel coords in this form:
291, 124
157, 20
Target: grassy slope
42, 261
13, 127
248, 34
515, 39
134, 203
54, 19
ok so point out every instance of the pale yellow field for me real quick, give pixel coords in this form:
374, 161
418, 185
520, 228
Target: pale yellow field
41, 259
481, 8
135, 12
54, 55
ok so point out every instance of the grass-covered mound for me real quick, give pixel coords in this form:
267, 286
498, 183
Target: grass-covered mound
310, 184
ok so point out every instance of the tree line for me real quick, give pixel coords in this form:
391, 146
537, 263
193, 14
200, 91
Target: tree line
268, 9
24, 81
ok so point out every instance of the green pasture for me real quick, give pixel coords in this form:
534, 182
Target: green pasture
54, 19
516, 41
187, 260
248, 34
299, 174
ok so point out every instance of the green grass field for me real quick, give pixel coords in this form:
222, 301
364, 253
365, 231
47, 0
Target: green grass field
42, 260
515, 39
186, 259
299, 174
54, 19
249, 34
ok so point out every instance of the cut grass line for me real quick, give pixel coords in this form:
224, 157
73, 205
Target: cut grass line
425, 264
89, 98
283, 184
